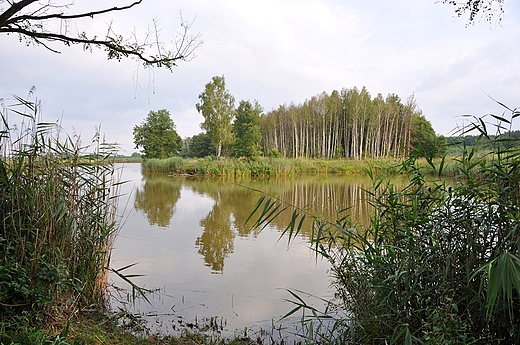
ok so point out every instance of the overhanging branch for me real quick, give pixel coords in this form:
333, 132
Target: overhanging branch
22, 19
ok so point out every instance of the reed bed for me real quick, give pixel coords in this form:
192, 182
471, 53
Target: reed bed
58, 214
270, 167
439, 262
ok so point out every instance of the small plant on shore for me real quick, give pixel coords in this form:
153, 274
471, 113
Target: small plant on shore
57, 208
439, 262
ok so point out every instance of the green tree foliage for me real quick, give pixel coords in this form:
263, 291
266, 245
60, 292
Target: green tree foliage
201, 146
348, 123
46, 22
217, 106
157, 135
247, 130
423, 139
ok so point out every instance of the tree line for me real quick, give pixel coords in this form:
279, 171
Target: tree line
349, 124
344, 124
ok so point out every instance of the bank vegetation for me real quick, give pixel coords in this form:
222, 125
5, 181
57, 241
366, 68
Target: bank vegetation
439, 262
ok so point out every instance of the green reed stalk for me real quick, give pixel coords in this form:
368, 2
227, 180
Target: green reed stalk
440, 261
57, 208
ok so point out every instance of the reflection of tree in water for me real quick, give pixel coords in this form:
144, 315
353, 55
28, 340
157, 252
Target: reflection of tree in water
157, 199
217, 239
234, 203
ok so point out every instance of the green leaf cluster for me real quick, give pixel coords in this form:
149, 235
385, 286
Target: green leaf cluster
217, 106
247, 130
157, 135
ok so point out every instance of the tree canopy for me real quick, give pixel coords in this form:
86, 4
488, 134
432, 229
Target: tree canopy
45, 22
157, 135
217, 106
200, 146
247, 130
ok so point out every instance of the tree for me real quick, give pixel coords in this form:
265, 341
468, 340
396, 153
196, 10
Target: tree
201, 146
485, 8
157, 135
247, 130
217, 106
423, 138
45, 22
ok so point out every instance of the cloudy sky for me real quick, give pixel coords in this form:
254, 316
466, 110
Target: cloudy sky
275, 51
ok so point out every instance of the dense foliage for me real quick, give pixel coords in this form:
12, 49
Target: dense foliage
217, 106
157, 135
247, 130
57, 209
348, 124
199, 145
439, 262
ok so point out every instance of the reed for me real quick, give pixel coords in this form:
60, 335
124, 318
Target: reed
439, 262
266, 166
58, 214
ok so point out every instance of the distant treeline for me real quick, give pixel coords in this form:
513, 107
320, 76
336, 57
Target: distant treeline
481, 143
348, 124
471, 140
344, 124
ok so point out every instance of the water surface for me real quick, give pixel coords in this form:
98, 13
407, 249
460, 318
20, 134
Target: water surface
189, 239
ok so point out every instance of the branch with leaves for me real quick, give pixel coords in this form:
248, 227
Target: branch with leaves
32, 20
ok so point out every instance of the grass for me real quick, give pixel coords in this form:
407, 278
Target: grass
273, 167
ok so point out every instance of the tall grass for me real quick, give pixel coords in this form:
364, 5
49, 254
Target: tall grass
263, 166
439, 262
57, 208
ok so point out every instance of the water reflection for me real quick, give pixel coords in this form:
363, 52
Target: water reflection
322, 196
157, 198
188, 238
216, 241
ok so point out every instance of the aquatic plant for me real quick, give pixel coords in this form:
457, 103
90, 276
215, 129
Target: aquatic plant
58, 213
439, 262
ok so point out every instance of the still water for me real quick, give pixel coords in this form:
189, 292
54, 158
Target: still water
189, 240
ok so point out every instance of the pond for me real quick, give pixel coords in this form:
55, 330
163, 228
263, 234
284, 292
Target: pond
206, 267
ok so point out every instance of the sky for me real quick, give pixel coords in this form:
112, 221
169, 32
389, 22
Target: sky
277, 52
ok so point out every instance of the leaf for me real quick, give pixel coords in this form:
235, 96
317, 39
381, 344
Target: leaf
141, 291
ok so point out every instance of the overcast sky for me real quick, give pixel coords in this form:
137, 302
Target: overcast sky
276, 51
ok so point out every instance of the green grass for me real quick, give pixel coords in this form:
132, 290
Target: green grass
265, 166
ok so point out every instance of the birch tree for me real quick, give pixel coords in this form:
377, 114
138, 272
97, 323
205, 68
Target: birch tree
217, 106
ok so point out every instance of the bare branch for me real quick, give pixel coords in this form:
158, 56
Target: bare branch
62, 16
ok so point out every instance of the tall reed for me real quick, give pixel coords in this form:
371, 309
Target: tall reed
263, 166
57, 208
439, 262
